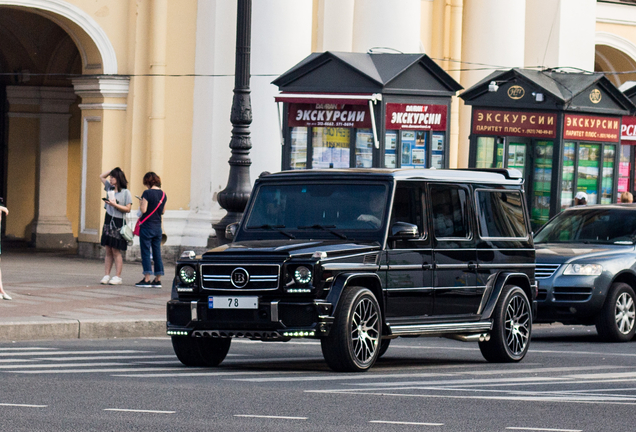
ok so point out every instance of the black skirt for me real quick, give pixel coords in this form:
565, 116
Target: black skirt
110, 233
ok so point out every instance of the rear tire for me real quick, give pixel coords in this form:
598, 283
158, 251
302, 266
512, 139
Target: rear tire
512, 328
200, 352
353, 344
615, 323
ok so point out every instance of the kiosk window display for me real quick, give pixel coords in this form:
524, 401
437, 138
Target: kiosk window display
560, 130
364, 110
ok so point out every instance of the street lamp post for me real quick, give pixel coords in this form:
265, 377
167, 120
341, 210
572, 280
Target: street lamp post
234, 197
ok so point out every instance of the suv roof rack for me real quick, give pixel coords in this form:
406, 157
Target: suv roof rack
508, 173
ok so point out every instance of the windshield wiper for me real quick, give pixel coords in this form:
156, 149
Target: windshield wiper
275, 228
325, 228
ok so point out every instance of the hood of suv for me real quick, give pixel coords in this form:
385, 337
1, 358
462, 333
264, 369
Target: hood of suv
292, 248
557, 253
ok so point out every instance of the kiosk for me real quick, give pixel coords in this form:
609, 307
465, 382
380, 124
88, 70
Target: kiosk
364, 110
626, 177
560, 129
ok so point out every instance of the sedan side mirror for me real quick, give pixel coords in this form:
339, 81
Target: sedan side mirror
403, 230
230, 230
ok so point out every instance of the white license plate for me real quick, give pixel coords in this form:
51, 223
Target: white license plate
222, 302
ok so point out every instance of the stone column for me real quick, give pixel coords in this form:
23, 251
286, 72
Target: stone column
389, 24
50, 228
560, 34
493, 34
104, 146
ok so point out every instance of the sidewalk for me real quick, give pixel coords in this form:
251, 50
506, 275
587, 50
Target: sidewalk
58, 296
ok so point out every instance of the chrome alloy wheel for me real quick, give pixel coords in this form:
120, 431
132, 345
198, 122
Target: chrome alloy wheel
517, 327
625, 313
365, 330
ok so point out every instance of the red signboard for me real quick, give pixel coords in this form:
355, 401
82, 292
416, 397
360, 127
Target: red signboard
415, 116
514, 123
591, 128
628, 130
329, 115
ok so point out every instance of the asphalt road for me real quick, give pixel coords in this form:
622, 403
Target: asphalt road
569, 381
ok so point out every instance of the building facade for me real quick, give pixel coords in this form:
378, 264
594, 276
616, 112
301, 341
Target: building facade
146, 85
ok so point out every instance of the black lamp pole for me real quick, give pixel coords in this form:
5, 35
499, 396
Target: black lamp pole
234, 197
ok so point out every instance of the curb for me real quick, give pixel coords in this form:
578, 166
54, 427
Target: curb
81, 329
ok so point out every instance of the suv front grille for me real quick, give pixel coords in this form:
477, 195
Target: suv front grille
572, 293
544, 271
259, 276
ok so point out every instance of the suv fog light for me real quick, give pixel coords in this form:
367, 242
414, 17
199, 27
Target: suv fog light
583, 269
302, 275
187, 274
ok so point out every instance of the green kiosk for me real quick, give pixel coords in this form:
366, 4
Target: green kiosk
560, 129
364, 110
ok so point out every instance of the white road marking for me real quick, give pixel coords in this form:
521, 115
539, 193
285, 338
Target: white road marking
270, 417
70, 353
122, 357
58, 365
68, 371
139, 411
23, 405
344, 377
194, 374
406, 423
544, 429
27, 349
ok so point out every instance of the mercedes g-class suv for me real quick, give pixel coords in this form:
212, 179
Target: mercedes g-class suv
357, 258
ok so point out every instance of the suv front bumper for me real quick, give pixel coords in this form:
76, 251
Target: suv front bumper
274, 319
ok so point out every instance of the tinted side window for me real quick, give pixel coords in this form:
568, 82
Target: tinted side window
449, 211
500, 214
407, 207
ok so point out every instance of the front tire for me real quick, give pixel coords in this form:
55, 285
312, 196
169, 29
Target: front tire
200, 352
353, 345
512, 328
615, 323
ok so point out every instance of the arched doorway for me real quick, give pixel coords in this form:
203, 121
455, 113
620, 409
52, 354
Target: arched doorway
52, 57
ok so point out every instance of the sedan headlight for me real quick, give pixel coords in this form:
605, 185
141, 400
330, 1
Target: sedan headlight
583, 269
187, 274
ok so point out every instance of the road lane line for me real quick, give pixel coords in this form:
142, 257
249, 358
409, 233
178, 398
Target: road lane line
57, 353
114, 357
27, 349
68, 371
406, 423
23, 405
544, 429
345, 377
59, 365
270, 417
139, 411
195, 374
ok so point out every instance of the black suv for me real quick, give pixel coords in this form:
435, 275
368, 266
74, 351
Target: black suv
356, 258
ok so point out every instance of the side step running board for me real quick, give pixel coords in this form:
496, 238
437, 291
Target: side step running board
439, 329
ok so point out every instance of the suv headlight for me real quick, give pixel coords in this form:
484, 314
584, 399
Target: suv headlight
187, 274
302, 275
583, 269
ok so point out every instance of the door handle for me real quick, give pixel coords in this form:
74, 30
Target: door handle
472, 266
427, 266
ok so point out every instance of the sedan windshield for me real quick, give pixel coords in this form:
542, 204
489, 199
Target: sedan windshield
324, 210
603, 225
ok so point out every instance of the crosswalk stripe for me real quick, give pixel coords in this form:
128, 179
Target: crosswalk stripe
59, 365
5, 354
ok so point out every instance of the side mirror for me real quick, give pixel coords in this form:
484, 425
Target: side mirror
403, 230
230, 230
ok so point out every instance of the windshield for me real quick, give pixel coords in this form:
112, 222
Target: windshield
608, 226
317, 210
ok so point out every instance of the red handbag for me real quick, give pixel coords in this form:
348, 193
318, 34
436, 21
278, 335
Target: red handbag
140, 221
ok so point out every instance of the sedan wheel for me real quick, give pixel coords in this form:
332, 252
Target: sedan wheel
616, 320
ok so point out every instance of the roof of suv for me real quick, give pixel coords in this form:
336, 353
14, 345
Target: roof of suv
499, 176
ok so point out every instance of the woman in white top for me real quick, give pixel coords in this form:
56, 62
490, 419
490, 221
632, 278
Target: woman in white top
117, 204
